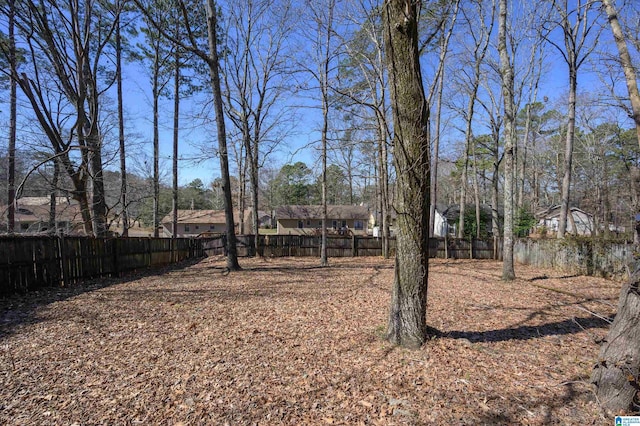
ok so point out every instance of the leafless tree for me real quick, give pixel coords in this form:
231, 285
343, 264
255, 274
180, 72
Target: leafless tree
407, 318
255, 72
578, 45
617, 372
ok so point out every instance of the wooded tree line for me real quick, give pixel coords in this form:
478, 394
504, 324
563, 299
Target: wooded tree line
574, 143
511, 105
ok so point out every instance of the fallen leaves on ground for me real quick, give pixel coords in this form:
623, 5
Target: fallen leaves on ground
286, 342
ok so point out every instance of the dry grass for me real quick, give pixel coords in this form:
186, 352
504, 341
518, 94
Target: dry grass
286, 342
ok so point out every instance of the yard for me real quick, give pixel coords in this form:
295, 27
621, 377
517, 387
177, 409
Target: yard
286, 342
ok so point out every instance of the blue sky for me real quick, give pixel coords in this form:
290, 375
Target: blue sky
195, 134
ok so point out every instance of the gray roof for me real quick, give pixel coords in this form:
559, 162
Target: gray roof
554, 211
315, 212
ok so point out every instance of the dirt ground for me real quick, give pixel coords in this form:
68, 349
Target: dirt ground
287, 342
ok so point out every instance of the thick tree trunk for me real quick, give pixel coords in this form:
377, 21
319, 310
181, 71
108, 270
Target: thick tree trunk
407, 318
214, 73
98, 201
625, 61
506, 71
616, 375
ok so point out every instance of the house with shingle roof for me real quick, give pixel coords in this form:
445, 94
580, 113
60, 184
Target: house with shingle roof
307, 220
32, 216
579, 222
192, 223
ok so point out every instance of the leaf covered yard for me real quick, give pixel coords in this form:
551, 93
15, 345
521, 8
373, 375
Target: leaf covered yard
286, 342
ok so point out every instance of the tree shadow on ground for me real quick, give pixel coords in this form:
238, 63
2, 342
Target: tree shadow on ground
526, 332
20, 309
545, 408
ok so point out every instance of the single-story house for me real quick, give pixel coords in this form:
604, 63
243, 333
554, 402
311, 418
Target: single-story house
549, 219
440, 225
32, 215
264, 220
301, 220
192, 223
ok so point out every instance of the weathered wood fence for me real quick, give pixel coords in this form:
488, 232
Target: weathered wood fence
29, 263
33, 262
576, 256
350, 246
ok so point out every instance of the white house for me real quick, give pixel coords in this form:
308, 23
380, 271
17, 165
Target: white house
440, 225
550, 219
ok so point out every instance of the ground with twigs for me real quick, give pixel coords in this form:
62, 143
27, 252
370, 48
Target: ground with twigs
287, 342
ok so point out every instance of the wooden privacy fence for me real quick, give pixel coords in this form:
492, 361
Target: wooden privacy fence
33, 262
577, 256
350, 246
29, 263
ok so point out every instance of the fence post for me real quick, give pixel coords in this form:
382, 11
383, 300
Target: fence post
446, 245
63, 259
149, 251
354, 246
471, 247
116, 272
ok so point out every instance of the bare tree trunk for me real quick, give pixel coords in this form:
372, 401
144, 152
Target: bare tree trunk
528, 138
479, 52
383, 181
506, 72
241, 158
575, 38
253, 177
324, 88
407, 317
444, 47
476, 189
176, 140
616, 376
568, 153
436, 146
53, 200
13, 101
156, 143
214, 73
323, 247
124, 215
606, 206
523, 164
463, 186
98, 201
616, 373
